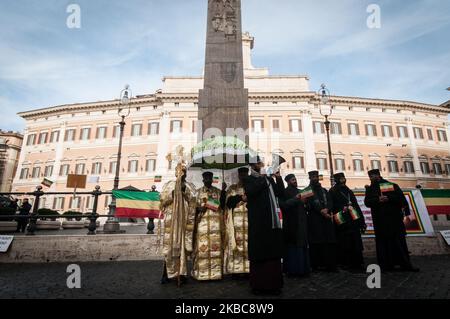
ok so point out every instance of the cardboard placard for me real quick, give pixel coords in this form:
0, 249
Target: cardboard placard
76, 181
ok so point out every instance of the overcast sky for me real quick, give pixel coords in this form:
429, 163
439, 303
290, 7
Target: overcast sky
44, 63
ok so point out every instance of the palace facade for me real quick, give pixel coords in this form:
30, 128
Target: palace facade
408, 141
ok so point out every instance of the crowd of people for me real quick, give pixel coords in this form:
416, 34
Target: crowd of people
259, 229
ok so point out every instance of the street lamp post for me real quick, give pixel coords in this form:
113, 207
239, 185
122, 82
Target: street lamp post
326, 111
112, 224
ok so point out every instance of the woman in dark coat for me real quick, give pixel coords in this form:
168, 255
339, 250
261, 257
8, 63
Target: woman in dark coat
265, 237
295, 231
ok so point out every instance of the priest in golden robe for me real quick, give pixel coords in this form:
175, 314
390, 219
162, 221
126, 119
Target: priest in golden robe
209, 231
236, 220
178, 204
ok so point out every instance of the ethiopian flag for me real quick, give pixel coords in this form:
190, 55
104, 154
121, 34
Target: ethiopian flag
387, 187
307, 193
339, 218
353, 213
137, 204
437, 201
213, 204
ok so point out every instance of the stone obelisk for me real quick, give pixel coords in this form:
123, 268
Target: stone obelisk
223, 102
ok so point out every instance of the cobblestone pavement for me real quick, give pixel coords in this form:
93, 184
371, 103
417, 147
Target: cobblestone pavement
136, 280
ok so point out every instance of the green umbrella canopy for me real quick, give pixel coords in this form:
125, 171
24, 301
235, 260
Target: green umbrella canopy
221, 152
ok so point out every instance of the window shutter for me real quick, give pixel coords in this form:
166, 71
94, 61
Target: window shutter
326, 164
317, 163
129, 166
367, 130
302, 161
97, 133
54, 203
88, 199
398, 132
340, 128
349, 129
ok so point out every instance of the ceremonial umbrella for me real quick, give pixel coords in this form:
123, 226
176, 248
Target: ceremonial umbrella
221, 152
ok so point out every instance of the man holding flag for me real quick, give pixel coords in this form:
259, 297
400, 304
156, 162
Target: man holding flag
350, 223
209, 231
295, 230
322, 238
387, 202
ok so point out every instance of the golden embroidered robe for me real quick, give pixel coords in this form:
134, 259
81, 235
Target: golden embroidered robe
208, 254
236, 245
178, 229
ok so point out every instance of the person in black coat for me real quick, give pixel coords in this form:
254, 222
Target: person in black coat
387, 203
321, 232
24, 210
295, 230
350, 246
265, 237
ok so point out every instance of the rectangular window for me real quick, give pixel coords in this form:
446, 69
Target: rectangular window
75, 203
336, 128
358, 165
318, 127
133, 166
425, 167
85, 134
36, 172
48, 171
258, 126
375, 164
64, 170
153, 128
31, 139
276, 125
112, 167
101, 133
322, 164
442, 136
402, 132
418, 133
96, 169
430, 134
175, 126
353, 129
393, 166
24, 173
58, 203
136, 130
340, 164
54, 137
409, 167
371, 130
295, 126
387, 131
70, 135
43, 138
437, 167
150, 165
298, 162
79, 169
116, 131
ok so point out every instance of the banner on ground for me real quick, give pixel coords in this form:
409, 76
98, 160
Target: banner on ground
137, 204
417, 224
